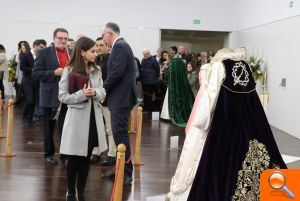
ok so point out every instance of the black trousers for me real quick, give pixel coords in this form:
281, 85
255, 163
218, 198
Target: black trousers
29, 103
119, 125
78, 170
19, 93
2, 89
78, 166
148, 90
49, 125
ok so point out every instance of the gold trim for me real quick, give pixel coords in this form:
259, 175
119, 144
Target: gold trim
257, 160
238, 92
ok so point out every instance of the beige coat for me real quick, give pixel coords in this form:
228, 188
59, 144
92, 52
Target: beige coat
75, 132
3, 65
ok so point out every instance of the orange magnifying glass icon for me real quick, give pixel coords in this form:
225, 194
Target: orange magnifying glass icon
277, 181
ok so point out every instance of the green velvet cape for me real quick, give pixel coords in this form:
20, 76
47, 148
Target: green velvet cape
181, 98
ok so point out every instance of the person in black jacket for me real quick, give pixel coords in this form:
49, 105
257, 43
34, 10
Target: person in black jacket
120, 89
48, 67
150, 69
29, 87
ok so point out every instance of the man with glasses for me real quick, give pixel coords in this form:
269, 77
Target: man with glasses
48, 68
120, 91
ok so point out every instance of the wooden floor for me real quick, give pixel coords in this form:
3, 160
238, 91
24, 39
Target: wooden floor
26, 177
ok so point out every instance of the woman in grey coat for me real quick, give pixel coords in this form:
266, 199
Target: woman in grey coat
81, 89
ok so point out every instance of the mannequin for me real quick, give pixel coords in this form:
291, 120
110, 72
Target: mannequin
239, 144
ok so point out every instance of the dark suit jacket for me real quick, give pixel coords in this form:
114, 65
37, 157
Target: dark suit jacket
44, 66
26, 64
120, 83
103, 65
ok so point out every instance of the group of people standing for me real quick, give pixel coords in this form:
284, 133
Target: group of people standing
171, 78
228, 138
89, 92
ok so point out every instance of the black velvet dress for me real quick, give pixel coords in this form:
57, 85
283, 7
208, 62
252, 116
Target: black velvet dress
240, 144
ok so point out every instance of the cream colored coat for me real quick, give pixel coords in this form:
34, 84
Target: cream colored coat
75, 134
3, 65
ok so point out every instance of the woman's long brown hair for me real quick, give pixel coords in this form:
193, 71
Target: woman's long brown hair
76, 60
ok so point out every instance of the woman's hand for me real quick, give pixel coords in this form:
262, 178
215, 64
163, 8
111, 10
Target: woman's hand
89, 92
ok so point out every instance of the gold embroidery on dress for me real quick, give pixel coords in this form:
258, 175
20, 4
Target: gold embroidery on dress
257, 160
236, 77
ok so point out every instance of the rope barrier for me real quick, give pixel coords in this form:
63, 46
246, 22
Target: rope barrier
8, 152
156, 97
119, 174
137, 158
4, 110
116, 194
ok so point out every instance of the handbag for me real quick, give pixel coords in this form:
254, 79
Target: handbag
77, 81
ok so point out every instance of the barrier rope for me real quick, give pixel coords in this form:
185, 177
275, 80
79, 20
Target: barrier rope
128, 159
5, 109
156, 97
115, 181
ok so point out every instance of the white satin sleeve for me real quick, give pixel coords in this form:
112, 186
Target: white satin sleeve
209, 91
196, 135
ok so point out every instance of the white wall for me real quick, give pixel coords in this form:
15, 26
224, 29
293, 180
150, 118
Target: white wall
31, 19
16, 31
279, 43
263, 25
168, 14
252, 13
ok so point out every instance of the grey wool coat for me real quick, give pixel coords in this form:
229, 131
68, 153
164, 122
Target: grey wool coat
75, 134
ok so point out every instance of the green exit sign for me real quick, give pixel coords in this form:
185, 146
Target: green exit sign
291, 4
196, 21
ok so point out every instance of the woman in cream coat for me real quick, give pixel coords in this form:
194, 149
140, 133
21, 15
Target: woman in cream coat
83, 127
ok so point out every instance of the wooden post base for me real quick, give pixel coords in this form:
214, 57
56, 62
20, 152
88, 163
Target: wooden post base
7, 155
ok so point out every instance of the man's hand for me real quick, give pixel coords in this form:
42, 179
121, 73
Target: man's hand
58, 71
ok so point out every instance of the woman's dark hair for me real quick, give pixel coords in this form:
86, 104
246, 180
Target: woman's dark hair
2, 48
192, 64
162, 60
174, 48
76, 60
25, 43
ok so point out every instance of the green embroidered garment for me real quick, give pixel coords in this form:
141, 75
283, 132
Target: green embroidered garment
181, 98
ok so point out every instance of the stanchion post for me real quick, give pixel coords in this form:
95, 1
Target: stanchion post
137, 158
1, 127
8, 152
132, 121
119, 175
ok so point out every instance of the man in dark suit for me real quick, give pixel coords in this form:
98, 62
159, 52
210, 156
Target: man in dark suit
29, 86
120, 89
48, 68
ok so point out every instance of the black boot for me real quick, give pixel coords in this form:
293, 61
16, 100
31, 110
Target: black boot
70, 197
80, 197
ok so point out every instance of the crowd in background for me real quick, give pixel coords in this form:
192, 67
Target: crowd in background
152, 77
154, 73
36, 73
